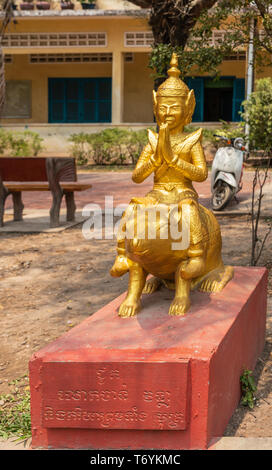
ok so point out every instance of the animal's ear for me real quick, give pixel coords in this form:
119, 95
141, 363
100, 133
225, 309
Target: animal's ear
190, 106
154, 102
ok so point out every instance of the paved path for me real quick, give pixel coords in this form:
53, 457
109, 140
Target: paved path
223, 443
120, 186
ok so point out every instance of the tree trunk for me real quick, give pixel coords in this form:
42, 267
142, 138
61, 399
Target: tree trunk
2, 80
8, 14
167, 23
173, 20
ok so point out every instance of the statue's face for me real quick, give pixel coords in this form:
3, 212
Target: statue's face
171, 110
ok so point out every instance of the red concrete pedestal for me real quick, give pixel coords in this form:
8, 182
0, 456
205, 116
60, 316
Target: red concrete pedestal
153, 381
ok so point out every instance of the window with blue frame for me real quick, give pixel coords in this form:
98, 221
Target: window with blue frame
215, 100
79, 100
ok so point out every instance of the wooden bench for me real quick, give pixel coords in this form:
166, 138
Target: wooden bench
55, 174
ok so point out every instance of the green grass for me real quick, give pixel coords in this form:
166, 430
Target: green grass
15, 418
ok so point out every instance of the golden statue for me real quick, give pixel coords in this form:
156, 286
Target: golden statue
176, 159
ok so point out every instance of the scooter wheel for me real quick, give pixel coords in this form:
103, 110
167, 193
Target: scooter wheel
221, 196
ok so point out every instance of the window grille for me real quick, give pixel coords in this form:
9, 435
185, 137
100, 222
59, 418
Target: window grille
54, 39
79, 58
129, 57
66, 58
8, 58
138, 39
218, 37
236, 56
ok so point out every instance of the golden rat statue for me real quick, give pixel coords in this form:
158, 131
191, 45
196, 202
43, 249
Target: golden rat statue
176, 159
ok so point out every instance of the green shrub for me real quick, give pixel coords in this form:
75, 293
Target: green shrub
231, 131
258, 114
4, 141
109, 146
20, 144
80, 148
113, 146
34, 142
138, 139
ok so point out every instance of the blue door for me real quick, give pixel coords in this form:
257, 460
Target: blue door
230, 101
79, 100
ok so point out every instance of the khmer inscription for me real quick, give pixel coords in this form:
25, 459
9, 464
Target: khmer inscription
111, 396
107, 419
93, 395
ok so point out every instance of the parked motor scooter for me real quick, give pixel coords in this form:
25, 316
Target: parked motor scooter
226, 173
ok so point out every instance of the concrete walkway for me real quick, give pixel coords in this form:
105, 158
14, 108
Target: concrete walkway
121, 188
37, 221
117, 188
223, 443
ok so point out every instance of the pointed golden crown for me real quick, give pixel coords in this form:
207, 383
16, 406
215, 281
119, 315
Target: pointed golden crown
173, 86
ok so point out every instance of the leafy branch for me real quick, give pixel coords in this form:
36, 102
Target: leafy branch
187, 27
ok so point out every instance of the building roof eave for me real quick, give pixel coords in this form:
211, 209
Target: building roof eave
29, 14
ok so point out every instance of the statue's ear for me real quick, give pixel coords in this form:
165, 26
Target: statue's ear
154, 102
190, 106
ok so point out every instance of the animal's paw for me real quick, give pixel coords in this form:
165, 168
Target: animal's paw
210, 286
217, 279
129, 308
151, 285
120, 267
179, 306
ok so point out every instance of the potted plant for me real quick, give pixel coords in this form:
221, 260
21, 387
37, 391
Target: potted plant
27, 5
43, 5
67, 5
87, 4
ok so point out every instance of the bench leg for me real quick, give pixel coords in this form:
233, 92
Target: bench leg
18, 206
55, 209
70, 206
3, 196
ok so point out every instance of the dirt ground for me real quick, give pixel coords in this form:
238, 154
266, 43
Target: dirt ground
51, 282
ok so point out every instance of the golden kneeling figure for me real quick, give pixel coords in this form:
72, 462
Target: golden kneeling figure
188, 257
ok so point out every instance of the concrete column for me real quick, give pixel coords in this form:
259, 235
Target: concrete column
117, 87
